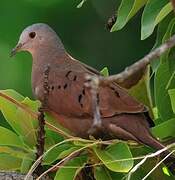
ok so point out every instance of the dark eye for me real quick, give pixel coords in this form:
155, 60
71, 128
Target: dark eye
32, 35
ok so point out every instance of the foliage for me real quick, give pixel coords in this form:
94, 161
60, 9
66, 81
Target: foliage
18, 143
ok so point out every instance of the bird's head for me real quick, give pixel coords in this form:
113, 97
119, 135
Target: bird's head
35, 37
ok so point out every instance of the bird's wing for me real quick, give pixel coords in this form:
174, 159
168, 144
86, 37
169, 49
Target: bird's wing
69, 95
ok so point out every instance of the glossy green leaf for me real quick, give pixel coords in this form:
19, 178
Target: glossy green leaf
102, 173
9, 138
163, 80
71, 169
54, 154
171, 93
66, 152
161, 30
26, 164
14, 151
141, 91
8, 162
21, 121
126, 11
105, 72
114, 157
165, 129
154, 12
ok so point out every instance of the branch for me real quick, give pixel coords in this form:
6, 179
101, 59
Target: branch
41, 122
142, 63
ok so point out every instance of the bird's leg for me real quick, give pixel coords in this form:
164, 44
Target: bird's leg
93, 83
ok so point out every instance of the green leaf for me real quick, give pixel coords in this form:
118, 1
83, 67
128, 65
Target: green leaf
164, 79
81, 3
165, 171
141, 91
8, 162
21, 121
105, 72
161, 30
101, 173
71, 169
114, 157
65, 153
54, 154
9, 138
13, 151
126, 11
171, 93
154, 12
165, 129
26, 165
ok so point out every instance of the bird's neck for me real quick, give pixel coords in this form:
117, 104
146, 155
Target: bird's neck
48, 55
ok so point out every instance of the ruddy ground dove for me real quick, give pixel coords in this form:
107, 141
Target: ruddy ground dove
122, 116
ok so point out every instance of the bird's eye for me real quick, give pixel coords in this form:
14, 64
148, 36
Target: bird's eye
32, 35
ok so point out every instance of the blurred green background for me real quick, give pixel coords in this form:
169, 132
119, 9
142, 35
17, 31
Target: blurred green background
81, 30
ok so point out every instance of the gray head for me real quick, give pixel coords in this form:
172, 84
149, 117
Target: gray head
36, 37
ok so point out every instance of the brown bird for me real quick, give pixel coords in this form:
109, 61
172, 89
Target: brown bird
70, 101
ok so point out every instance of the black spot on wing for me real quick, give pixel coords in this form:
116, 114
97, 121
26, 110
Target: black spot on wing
75, 78
67, 74
80, 100
83, 91
58, 87
115, 91
65, 86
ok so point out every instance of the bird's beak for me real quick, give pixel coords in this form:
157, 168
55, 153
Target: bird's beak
16, 49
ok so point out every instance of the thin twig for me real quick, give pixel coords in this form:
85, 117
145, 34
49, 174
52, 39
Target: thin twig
137, 166
66, 161
67, 157
158, 164
36, 163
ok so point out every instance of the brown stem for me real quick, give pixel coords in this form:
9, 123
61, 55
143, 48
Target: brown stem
41, 122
